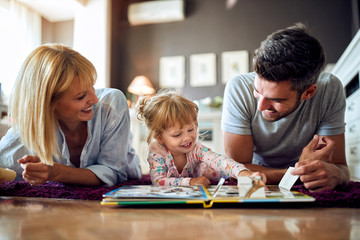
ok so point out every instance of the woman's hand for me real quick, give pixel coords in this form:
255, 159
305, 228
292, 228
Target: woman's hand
35, 172
200, 181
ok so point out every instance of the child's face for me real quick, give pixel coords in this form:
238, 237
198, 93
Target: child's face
179, 140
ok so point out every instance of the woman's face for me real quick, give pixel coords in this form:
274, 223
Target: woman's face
76, 105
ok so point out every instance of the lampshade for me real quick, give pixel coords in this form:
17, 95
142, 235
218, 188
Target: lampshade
141, 86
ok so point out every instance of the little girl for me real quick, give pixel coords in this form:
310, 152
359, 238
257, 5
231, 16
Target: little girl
176, 157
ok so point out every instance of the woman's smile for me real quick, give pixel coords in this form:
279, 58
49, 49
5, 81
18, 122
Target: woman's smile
87, 110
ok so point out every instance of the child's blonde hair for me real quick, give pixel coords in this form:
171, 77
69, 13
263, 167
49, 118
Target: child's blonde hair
164, 110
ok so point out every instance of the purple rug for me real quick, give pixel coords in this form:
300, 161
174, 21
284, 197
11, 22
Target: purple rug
346, 196
343, 196
60, 190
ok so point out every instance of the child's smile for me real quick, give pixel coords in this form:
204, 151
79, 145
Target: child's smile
179, 140
188, 145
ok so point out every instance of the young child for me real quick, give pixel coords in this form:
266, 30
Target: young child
176, 157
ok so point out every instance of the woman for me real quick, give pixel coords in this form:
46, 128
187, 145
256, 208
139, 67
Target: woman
65, 130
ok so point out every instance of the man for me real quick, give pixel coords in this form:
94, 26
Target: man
287, 114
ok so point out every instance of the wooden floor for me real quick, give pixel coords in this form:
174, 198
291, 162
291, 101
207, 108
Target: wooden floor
35, 218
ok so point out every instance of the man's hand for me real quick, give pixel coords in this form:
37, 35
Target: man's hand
200, 181
35, 172
318, 151
315, 166
317, 175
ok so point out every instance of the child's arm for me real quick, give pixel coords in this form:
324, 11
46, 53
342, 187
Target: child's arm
162, 172
224, 165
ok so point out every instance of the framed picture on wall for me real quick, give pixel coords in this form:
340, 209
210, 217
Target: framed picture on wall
172, 72
203, 70
234, 63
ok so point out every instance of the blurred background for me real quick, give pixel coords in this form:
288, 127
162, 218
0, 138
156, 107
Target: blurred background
120, 51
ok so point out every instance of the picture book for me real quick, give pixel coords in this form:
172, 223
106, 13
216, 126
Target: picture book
224, 194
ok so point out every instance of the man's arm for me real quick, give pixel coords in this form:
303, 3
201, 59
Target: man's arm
323, 167
240, 148
339, 158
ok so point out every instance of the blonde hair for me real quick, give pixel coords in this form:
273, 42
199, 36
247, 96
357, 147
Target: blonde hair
165, 110
46, 74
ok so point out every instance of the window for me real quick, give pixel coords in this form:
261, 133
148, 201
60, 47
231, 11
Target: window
20, 30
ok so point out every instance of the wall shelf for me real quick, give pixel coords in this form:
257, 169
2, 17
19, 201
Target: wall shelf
347, 70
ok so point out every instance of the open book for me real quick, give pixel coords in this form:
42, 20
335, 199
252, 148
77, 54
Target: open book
224, 194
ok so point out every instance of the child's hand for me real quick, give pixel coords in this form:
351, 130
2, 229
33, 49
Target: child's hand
258, 181
253, 175
259, 174
200, 181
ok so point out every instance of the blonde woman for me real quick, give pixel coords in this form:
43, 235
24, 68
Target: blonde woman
176, 157
65, 130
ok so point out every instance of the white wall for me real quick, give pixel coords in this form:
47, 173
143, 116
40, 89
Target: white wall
92, 35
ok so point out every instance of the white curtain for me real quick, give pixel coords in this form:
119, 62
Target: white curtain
20, 30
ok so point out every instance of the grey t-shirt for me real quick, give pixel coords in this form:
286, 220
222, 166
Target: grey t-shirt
279, 144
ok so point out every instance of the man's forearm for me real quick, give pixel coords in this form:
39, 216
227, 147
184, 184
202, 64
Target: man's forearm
344, 174
273, 175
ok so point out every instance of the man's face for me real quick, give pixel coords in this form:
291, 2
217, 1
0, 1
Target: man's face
275, 100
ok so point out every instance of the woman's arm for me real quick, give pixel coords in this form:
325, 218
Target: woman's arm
35, 172
110, 155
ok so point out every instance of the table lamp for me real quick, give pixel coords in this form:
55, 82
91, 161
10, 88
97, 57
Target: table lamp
141, 86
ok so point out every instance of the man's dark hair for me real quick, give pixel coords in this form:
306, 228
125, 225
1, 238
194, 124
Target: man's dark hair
290, 54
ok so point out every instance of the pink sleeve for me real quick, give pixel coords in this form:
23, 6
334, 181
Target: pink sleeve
221, 163
162, 169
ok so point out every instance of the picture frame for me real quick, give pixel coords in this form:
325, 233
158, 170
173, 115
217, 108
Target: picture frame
234, 63
203, 70
172, 72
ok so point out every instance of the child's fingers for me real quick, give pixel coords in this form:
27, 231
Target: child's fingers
207, 182
259, 174
264, 179
204, 181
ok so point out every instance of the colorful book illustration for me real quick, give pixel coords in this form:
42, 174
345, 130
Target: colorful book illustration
153, 195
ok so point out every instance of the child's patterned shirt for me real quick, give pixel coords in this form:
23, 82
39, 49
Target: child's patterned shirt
201, 161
